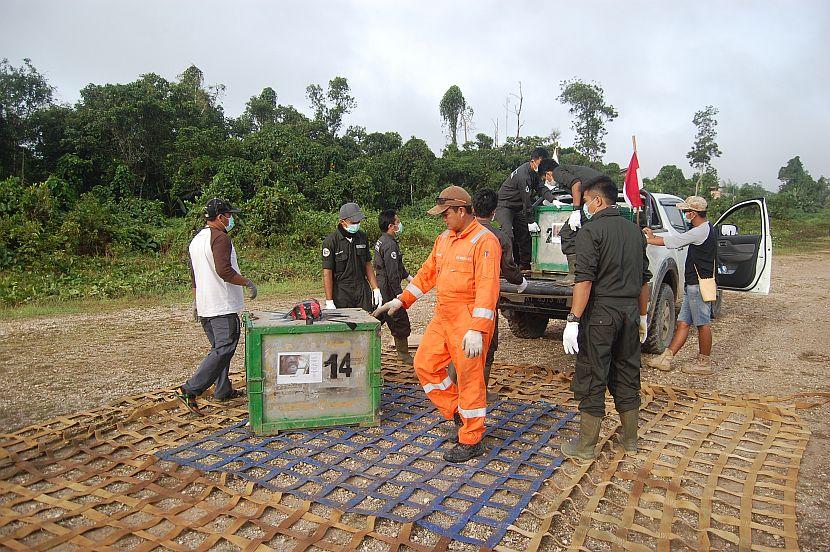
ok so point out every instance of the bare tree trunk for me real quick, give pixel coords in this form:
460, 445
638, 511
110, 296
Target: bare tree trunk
506, 107
518, 111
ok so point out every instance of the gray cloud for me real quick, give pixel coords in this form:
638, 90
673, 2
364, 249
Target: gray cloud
763, 64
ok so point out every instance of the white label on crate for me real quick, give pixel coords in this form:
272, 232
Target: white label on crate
295, 367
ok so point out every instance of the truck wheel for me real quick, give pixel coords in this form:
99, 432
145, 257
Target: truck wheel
527, 325
717, 305
663, 320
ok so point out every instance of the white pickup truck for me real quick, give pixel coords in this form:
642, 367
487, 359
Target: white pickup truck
744, 264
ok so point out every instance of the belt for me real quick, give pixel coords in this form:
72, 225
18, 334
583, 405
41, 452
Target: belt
621, 301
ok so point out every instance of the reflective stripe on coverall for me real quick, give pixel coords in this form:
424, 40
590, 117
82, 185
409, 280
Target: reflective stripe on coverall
464, 267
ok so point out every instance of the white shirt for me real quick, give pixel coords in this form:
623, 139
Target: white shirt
214, 296
694, 236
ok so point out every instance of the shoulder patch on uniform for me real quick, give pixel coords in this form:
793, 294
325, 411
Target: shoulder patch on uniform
326, 252
527, 189
393, 255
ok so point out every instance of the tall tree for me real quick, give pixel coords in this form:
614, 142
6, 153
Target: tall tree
705, 148
330, 108
452, 108
590, 112
23, 91
801, 191
262, 110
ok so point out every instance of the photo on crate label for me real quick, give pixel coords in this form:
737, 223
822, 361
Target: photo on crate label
293, 368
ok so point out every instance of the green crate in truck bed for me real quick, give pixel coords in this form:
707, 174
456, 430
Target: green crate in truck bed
551, 218
312, 375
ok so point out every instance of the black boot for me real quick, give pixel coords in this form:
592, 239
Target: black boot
569, 279
584, 446
452, 437
628, 434
461, 452
402, 347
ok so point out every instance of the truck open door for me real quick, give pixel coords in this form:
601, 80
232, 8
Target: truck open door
745, 247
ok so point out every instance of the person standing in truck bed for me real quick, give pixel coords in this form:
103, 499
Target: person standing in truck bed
571, 178
514, 209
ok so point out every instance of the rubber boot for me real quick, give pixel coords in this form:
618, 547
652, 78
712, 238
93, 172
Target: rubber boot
584, 446
569, 279
402, 346
492, 396
628, 436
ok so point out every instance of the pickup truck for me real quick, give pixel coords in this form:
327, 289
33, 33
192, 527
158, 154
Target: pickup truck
744, 264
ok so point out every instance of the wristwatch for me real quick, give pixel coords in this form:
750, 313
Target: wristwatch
572, 317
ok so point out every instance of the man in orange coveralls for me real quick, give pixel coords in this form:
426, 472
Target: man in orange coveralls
464, 267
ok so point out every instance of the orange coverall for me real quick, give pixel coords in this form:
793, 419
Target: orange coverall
465, 268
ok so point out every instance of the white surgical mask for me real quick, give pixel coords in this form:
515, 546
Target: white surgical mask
399, 229
353, 228
231, 224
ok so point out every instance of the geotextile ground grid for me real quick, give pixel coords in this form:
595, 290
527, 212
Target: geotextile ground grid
714, 472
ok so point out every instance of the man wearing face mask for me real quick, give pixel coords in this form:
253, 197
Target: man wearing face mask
390, 270
464, 268
546, 168
516, 196
700, 263
607, 322
217, 293
571, 178
347, 264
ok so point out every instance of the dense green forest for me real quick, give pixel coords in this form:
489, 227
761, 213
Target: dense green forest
100, 198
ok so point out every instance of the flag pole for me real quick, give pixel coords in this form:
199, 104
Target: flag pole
634, 143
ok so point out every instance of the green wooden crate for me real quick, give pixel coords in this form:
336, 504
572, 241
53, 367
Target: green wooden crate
312, 375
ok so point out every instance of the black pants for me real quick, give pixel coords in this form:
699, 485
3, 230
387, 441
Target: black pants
609, 356
494, 343
349, 294
398, 323
568, 236
514, 225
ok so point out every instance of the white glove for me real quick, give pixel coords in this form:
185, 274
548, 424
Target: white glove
575, 220
472, 343
410, 278
569, 338
390, 307
523, 285
377, 298
643, 327
533, 227
329, 305
557, 203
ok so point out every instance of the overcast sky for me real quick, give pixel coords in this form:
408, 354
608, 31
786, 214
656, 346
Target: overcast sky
764, 65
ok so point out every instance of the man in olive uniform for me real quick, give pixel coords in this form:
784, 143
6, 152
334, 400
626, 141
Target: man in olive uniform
347, 264
607, 322
571, 177
514, 210
390, 270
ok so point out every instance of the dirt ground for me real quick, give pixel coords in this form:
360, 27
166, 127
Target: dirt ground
771, 345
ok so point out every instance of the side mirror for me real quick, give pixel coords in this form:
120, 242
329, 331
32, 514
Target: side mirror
728, 230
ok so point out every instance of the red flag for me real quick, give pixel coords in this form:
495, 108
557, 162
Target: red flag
631, 191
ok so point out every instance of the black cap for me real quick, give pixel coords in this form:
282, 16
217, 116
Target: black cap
216, 207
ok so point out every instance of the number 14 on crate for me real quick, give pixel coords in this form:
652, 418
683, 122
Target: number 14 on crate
312, 375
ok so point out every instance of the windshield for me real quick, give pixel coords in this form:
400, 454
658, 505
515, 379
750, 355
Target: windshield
674, 215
